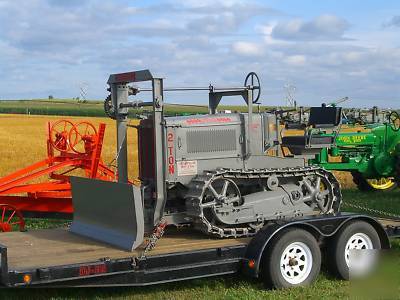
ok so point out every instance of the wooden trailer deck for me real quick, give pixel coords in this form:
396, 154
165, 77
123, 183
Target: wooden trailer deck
55, 247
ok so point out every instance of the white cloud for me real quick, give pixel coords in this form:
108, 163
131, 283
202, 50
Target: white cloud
266, 29
393, 22
247, 49
324, 27
361, 73
203, 3
353, 56
296, 60
53, 45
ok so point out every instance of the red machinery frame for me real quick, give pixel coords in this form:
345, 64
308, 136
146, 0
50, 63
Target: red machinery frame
79, 146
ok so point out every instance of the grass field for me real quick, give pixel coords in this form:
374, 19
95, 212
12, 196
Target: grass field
22, 141
93, 108
69, 107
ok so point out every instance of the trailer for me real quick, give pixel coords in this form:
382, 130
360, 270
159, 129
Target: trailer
58, 258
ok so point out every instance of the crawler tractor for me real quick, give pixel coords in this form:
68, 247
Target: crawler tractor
208, 171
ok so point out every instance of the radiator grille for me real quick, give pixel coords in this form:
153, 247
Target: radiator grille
216, 140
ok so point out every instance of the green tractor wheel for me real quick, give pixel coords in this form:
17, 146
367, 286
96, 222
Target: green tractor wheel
370, 185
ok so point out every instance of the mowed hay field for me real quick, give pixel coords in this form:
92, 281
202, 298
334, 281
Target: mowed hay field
23, 142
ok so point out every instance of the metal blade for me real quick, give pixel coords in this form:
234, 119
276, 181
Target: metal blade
109, 212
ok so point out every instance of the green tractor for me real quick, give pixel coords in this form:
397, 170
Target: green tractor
370, 152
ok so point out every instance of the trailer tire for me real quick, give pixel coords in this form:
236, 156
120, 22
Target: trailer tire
279, 270
367, 236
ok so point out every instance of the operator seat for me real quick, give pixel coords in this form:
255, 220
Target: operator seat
315, 138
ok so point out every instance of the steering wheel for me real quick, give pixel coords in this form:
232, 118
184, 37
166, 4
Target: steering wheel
59, 137
253, 81
82, 137
394, 120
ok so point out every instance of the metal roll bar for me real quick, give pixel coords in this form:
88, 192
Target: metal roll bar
209, 88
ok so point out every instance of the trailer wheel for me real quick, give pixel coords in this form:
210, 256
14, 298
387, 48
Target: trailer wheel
293, 259
356, 235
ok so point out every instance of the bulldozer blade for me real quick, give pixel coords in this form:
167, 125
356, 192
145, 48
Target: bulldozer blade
107, 211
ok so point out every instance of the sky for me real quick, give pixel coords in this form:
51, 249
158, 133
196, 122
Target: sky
325, 50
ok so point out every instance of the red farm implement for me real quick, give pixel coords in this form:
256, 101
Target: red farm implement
43, 188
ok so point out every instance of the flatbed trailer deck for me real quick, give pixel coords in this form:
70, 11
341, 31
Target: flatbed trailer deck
55, 247
57, 257
60, 257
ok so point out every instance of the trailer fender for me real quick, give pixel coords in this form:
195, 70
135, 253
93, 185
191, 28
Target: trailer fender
322, 226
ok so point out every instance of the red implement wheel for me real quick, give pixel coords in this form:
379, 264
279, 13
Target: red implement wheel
11, 218
59, 135
83, 137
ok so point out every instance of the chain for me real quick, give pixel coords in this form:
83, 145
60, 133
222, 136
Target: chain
158, 232
371, 210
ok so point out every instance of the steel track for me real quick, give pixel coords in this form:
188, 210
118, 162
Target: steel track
198, 186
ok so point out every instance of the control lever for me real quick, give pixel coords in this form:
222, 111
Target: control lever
135, 104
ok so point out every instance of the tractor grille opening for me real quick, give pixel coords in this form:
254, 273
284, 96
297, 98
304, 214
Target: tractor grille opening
217, 140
